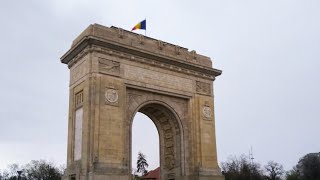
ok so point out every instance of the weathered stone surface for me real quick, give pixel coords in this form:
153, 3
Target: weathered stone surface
120, 73
157, 78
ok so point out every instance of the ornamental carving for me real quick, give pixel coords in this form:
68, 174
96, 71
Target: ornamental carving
206, 112
109, 67
169, 162
203, 88
168, 143
111, 96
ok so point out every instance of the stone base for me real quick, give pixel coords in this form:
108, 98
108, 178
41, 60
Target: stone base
129, 177
101, 171
107, 177
101, 177
217, 177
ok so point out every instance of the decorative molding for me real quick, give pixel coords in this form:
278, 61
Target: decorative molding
109, 67
141, 60
80, 54
187, 66
194, 54
120, 33
177, 50
117, 36
169, 157
160, 45
78, 99
141, 39
203, 88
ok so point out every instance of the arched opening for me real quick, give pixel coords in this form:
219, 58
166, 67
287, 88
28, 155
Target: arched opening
145, 139
169, 128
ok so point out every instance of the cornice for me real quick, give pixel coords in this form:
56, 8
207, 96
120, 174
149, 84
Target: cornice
89, 43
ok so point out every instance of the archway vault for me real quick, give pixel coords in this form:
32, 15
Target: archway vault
113, 75
161, 110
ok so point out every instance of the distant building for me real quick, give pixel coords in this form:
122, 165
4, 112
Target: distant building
153, 175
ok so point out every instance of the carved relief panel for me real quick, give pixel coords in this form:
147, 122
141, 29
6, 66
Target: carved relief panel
207, 111
203, 88
169, 151
109, 67
111, 96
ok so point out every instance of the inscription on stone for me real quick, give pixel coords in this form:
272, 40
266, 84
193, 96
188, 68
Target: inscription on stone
157, 78
78, 134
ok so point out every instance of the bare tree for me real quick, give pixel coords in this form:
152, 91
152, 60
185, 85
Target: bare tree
11, 172
239, 168
13, 168
274, 170
35, 170
42, 170
4, 175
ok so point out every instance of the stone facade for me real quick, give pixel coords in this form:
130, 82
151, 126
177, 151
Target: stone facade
113, 75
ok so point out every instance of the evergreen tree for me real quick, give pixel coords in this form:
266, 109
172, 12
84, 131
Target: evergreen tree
142, 164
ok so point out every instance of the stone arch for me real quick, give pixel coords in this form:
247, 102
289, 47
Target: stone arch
168, 121
118, 74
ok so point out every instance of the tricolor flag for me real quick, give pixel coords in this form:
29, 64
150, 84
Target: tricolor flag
140, 25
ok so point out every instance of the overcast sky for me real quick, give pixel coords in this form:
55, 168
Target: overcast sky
268, 96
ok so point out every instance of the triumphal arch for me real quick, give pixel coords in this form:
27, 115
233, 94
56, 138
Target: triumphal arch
114, 74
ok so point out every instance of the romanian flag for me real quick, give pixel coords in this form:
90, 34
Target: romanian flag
140, 25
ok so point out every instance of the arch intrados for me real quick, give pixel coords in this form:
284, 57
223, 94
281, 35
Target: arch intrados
167, 108
171, 114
